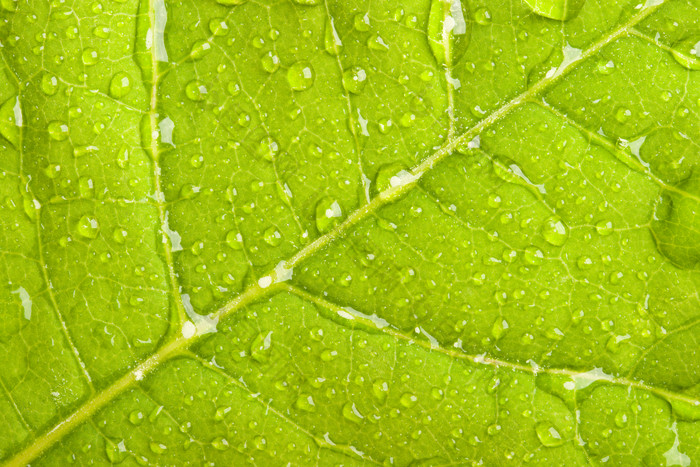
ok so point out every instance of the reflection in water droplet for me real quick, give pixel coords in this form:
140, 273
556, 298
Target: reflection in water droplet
328, 214
270, 62
676, 223
687, 52
300, 76
89, 56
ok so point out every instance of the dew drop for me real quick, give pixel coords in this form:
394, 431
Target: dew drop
687, 52
58, 131
120, 85
604, 228
380, 390
332, 42
676, 223
301, 76
89, 56
449, 30
561, 10
328, 214
554, 231
88, 227
49, 84
351, 413
136, 417
218, 27
306, 403
116, 452
234, 240
231, 2
548, 434
272, 236
408, 400
220, 444
260, 348
361, 22
270, 62
354, 80
196, 90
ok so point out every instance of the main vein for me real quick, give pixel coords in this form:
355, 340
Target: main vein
263, 287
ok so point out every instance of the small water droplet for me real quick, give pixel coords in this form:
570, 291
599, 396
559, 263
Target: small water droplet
351, 413
328, 214
561, 10
49, 84
449, 30
408, 400
272, 236
306, 403
89, 56
361, 22
332, 42
234, 240
270, 62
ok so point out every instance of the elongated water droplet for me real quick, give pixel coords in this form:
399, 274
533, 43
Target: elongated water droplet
331, 40
687, 52
561, 10
449, 30
676, 223
351, 413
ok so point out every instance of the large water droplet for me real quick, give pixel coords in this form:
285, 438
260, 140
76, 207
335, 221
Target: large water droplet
687, 52
676, 224
561, 10
554, 231
88, 227
301, 76
449, 30
120, 85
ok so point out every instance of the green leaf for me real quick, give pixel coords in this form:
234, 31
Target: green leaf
400, 233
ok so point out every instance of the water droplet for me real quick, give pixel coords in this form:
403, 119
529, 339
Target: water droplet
676, 223
307, 2
90, 56
260, 348
548, 434
234, 240
328, 214
533, 256
136, 417
623, 114
272, 236
116, 452
361, 22
49, 84
482, 16
88, 227
687, 52
354, 80
218, 27
375, 42
301, 76
58, 131
408, 400
270, 62
561, 10
604, 228
120, 85
554, 231
86, 187
268, 149
220, 444
196, 90
499, 328
231, 2
448, 30
380, 390
351, 413
306, 403
332, 41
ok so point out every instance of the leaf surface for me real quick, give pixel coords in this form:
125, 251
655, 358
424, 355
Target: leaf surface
324, 233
